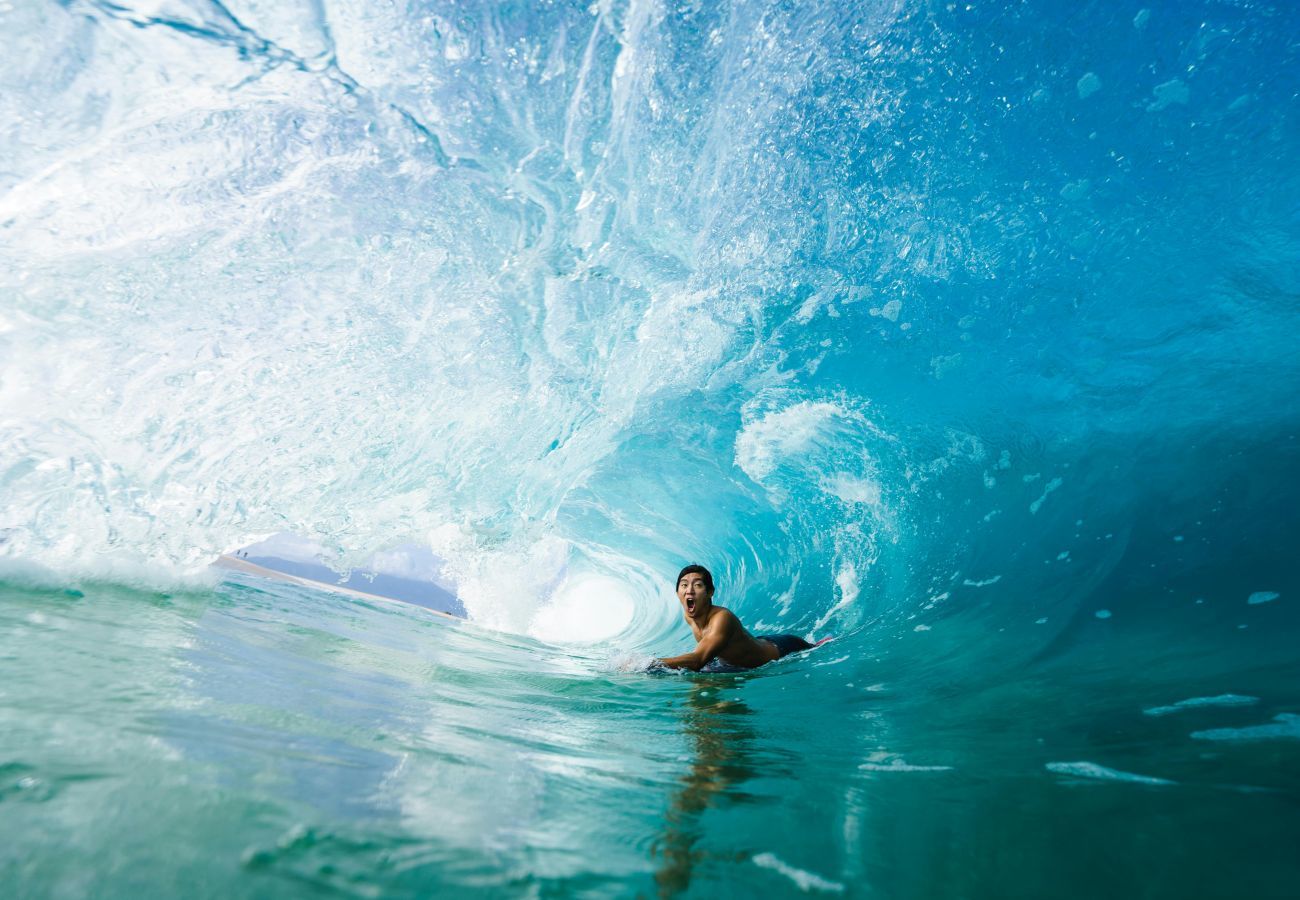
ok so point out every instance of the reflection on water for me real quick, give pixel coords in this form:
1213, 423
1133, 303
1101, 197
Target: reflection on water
267, 702
721, 735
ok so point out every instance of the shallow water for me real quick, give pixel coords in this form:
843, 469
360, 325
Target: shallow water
962, 333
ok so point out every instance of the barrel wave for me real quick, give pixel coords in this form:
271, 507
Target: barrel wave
962, 333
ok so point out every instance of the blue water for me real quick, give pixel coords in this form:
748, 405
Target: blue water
961, 332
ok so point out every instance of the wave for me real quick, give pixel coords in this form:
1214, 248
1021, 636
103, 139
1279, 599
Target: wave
906, 334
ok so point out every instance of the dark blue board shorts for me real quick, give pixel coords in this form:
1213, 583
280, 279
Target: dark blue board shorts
785, 643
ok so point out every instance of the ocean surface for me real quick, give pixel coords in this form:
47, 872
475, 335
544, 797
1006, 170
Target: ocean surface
961, 332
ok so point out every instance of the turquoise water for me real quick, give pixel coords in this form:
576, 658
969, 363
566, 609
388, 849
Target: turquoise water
268, 740
961, 333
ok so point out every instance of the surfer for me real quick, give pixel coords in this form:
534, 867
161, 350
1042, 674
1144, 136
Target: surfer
719, 632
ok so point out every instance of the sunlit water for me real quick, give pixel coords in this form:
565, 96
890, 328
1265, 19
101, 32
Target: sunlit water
962, 333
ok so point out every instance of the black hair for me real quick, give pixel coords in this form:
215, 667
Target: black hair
695, 569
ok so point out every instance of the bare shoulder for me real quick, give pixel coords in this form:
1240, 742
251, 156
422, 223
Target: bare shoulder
723, 620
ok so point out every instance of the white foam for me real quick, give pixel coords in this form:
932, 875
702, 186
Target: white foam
889, 311
1262, 597
847, 581
626, 662
852, 489
135, 573
898, 765
29, 574
1198, 702
785, 599
805, 881
585, 609
1283, 727
791, 432
985, 583
822, 442
1088, 85
1102, 773
884, 761
1047, 489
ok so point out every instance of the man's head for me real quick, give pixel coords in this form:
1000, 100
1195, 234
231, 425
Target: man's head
695, 591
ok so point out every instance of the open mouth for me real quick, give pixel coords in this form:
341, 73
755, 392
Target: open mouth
690, 607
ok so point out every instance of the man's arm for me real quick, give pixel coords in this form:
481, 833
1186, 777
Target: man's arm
715, 637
